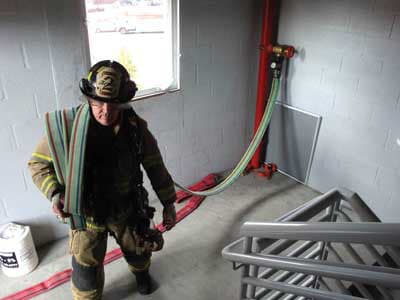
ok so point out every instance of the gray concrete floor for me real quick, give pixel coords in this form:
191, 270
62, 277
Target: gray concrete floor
190, 266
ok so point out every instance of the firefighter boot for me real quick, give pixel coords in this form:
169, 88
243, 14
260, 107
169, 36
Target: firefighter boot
144, 282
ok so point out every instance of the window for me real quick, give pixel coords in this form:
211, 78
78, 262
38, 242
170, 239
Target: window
140, 34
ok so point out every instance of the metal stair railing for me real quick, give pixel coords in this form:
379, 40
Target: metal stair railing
332, 247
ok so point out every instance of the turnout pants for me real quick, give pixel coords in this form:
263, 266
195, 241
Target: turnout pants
88, 248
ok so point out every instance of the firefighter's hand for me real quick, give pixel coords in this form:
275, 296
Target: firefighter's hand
57, 202
169, 216
153, 241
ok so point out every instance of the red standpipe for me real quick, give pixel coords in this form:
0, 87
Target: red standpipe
270, 7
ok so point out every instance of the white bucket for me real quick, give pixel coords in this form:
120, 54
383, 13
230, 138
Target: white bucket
17, 252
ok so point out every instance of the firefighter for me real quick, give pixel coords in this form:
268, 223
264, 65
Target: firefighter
89, 167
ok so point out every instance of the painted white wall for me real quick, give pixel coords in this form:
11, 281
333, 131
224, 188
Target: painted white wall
201, 129
347, 70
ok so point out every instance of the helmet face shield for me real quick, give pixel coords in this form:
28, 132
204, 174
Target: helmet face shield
108, 81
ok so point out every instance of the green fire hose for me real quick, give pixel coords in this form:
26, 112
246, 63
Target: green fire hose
240, 167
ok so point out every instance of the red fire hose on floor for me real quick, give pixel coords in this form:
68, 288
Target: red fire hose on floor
62, 277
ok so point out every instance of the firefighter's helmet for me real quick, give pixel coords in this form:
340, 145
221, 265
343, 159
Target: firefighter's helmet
108, 81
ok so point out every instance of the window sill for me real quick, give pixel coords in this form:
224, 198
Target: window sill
155, 94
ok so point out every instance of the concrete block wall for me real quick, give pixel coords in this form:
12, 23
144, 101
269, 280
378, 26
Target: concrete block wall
200, 129
41, 57
205, 128
347, 70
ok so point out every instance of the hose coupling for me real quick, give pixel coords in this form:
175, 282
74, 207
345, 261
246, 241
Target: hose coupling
281, 50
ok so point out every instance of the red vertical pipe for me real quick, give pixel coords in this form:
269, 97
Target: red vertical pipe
262, 89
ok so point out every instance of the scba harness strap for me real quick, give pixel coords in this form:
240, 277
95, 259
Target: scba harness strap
142, 220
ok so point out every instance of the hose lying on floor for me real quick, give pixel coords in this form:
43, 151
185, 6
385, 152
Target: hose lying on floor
65, 275
240, 167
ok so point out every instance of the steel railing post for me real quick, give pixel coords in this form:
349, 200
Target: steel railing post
332, 209
247, 245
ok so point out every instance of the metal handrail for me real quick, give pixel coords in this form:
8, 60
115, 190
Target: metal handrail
292, 228
388, 277
300, 291
298, 214
363, 233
